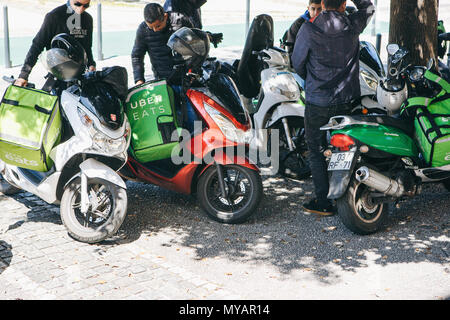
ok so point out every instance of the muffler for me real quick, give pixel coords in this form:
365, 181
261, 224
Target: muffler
380, 182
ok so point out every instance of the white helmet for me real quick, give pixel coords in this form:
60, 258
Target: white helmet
392, 98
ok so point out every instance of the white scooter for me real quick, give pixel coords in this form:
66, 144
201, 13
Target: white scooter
83, 180
273, 98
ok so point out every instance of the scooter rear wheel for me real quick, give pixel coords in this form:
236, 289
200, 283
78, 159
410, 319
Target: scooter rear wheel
244, 192
101, 221
358, 212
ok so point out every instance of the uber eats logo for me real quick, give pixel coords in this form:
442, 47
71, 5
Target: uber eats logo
19, 160
146, 107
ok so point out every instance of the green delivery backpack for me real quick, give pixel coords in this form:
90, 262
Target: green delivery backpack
30, 126
149, 109
432, 123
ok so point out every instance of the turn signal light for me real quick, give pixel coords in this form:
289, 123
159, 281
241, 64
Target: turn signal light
342, 141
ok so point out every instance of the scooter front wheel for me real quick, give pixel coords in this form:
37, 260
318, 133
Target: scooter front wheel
243, 188
106, 212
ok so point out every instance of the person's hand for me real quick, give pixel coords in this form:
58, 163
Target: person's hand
138, 83
21, 82
216, 38
92, 68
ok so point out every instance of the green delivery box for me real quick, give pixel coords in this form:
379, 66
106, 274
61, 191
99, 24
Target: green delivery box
433, 133
30, 126
149, 109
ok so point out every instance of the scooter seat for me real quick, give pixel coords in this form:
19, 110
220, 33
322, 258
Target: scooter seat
404, 125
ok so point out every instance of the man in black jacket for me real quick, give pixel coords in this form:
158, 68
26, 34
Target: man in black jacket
151, 37
326, 55
69, 18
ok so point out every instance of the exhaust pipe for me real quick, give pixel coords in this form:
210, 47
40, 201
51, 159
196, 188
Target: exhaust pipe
380, 182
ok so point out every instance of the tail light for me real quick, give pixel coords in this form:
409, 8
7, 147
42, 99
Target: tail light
342, 141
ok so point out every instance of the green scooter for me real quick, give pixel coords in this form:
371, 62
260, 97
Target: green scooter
378, 159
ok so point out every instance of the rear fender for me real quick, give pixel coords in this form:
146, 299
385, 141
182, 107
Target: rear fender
339, 180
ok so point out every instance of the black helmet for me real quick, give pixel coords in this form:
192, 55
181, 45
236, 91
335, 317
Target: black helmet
66, 59
191, 44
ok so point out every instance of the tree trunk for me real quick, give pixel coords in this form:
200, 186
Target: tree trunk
413, 25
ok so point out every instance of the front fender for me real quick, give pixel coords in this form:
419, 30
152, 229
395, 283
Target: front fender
285, 110
95, 169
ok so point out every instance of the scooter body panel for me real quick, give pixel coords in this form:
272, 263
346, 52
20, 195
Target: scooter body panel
384, 138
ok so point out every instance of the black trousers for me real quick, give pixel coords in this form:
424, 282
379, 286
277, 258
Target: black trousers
316, 117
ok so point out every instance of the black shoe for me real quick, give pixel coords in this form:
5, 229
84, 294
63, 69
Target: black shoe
314, 207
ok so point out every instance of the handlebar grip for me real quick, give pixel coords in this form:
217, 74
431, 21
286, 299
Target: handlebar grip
9, 79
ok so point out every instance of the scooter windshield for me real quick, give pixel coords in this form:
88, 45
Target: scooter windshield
104, 102
369, 55
225, 90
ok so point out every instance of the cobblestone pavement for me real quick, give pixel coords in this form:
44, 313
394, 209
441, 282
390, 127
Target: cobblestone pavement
38, 260
168, 249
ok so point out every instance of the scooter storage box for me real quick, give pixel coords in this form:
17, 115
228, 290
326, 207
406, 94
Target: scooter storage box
149, 109
30, 126
432, 126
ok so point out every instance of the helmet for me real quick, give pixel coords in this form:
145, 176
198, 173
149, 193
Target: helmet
66, 59
191, 44
392, 96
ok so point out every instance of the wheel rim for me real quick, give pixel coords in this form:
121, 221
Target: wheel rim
365, 208
238, 188
101, 205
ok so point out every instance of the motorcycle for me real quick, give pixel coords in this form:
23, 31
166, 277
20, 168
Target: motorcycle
378, 159
228, 186
93, 146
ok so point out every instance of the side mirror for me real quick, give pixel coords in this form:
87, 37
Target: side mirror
430, 64
392, 48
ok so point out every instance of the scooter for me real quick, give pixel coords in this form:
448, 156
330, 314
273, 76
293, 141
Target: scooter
83, 178
378, 159
273, 98
212, 160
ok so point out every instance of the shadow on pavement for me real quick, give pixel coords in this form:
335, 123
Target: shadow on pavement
5, 255
282, 235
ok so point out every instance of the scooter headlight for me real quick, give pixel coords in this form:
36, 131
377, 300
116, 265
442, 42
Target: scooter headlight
369, 79
107, 145
227, 127
283, 83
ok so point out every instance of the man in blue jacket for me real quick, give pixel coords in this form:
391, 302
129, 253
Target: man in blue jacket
326, 55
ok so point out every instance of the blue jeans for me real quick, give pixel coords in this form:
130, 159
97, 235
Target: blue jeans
316, 139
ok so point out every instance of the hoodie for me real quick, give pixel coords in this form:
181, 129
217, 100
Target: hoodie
326, 55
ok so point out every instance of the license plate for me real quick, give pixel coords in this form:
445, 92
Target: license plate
340, 161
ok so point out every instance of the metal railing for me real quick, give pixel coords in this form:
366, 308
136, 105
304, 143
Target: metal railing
99, 40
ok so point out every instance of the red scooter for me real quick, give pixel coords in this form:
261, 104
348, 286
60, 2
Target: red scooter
215, 163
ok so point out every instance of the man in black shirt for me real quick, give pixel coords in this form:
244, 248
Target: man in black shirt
69, 18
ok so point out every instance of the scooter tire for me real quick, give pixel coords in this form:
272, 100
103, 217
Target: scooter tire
93, 235
359, 215
239, 216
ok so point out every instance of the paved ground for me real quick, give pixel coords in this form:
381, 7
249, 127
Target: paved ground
168, 249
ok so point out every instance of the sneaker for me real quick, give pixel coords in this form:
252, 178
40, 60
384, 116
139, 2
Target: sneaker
314, 207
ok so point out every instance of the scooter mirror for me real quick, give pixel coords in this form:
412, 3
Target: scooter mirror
392, 48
